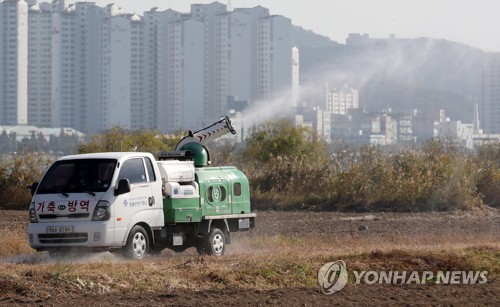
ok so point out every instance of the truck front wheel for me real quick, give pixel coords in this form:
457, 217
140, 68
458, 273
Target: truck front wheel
214, 244
137, 243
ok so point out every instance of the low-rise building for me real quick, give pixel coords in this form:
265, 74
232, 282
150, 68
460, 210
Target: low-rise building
458, 131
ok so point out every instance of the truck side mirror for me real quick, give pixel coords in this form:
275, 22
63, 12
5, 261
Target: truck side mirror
123, 187
32, 188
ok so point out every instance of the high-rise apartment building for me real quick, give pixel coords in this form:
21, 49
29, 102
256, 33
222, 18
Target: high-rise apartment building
138, 107
64, 65
66, 103
193, 78
240, 60
207, 14
13, 62
41, 55
490, 107
243, 52
87, 65
175, 62
150, 115
274, 49
168, 57
221, 63
116, 72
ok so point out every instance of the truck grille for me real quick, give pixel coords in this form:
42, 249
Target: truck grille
64, 238
71, 216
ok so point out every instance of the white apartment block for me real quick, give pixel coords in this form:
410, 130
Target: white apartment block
341, 101
490, 107
240, 57
51, 87
274, 55
64, 62
14, 62
138, 110
221, 63
123, 100
116, 72
87, 66
264, 59
168, 66
151, 19
193, 80
207, 14
243, 52
66, 104
180, 69
40, 110
280, 56
174, 76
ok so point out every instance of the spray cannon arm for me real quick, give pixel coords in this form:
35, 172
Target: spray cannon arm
208, 134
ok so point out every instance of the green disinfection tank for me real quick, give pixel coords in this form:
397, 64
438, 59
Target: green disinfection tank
215, 191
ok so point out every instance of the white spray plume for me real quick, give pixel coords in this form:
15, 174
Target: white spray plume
266, 109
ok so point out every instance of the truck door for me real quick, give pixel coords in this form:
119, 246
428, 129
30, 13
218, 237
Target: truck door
217, 197
236, 198
138, 201
156, 199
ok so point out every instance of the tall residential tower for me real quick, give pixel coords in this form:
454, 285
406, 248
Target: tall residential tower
13, 62
490, 107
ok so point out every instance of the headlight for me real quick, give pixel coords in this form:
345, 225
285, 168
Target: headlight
101, 211
33, 218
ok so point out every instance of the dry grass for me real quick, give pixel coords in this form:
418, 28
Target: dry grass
241, 271
14, 243
252, 262
358, 244
258, 260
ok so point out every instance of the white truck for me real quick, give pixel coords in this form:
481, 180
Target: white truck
130, 202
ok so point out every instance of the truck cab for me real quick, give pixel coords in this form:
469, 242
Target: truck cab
94, 200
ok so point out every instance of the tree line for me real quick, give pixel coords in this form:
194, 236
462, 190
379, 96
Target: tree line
62, 144
290, 168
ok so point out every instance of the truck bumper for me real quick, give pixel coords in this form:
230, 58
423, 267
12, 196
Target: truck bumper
71, 234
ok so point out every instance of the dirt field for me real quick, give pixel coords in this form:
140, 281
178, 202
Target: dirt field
276, 263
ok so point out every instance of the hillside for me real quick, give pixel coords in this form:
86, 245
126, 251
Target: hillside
421, 73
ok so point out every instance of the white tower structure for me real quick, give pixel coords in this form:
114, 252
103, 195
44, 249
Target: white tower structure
295, 77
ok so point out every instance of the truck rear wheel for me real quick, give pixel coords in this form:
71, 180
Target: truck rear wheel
214, 244
137, 243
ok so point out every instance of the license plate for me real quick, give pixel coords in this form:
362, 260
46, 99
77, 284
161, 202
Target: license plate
59, 229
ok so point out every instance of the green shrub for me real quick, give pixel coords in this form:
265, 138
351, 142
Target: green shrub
439, 175
286, 164
16, 174
117, 139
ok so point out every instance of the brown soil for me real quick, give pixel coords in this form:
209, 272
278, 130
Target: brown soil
339, 233
360, 295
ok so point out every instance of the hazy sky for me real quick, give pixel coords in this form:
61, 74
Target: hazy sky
474, 22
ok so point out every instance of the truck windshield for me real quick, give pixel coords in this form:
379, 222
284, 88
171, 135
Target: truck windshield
76, 176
